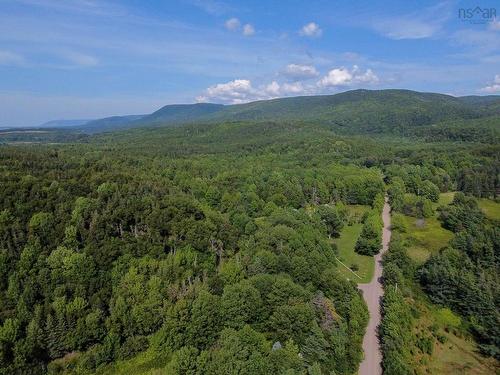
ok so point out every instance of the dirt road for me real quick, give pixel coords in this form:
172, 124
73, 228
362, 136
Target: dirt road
372, 293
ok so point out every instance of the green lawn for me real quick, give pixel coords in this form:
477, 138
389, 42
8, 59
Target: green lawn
490, 208
356, 211
424, 237
446, 198
345, 244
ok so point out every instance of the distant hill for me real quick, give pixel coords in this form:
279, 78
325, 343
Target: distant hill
352, 112
167, 115
480, 100
358, 111
109, 123
181, 113
63, 123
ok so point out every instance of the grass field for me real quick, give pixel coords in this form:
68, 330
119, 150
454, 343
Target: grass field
356, 212
490, 208
457, 354
445, 198
424, 237
349, 257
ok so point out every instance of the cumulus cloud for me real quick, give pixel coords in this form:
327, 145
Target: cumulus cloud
248, 30
312, 30
336, 77
345, 77
234, 92
273, 89
367, 77
10, 58
298, 72
233, 24
493, 87
295, 88
242, 90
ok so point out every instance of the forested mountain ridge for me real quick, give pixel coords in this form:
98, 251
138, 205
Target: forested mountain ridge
108, 123
351, 112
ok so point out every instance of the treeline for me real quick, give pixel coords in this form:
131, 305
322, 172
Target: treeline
396, 329
370, 239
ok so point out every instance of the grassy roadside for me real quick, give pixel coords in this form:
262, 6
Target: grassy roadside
345, 244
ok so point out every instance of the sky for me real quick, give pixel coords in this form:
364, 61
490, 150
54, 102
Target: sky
72, 59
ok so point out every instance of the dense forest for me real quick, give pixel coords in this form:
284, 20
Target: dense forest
208, 248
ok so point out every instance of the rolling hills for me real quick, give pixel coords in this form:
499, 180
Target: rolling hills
357, 111
400, 113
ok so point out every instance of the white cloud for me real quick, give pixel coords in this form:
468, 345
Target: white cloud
273, 88
494, 87
81, 59
242, 91
10, 58
336, 77
248, 30
292, 88
237, 91
367, 77
345, 77
233, 24
311, 29
298, 72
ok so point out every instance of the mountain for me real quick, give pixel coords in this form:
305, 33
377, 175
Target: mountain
479, 100
109, 123
356, 111
63, 123
182, 113
167, 115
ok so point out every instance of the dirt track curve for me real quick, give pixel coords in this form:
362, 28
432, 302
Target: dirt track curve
372, 293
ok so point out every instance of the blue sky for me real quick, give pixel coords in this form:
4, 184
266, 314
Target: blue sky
65, 59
